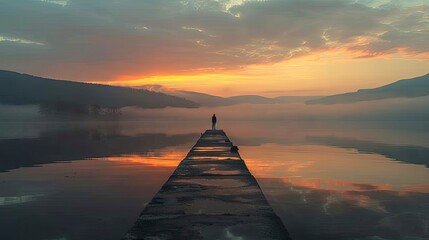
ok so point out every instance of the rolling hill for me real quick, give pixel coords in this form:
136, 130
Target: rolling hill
406, 88
208, 100
23, 89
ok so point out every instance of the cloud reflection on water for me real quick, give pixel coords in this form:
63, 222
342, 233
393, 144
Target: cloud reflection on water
314, 213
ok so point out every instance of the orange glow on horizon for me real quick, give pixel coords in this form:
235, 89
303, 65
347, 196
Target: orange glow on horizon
320, 73
181, 82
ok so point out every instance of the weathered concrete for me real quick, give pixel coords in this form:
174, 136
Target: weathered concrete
211, 195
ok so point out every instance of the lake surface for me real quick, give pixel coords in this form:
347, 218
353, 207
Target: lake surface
326, 180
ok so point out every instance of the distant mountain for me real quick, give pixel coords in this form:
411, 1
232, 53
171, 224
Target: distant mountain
215, 101
23, 89
254, 99
201, 98
295, 99
406, 88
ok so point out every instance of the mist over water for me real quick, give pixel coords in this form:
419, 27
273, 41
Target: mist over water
325, 179
387, 110
398, 109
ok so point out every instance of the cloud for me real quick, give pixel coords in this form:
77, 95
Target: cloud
101, 40
156, 88
18, 40
61, 3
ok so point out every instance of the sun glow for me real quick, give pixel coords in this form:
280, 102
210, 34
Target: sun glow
218, 84
322, 73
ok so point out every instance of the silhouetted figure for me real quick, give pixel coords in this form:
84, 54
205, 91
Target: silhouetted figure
214, 121
234, 149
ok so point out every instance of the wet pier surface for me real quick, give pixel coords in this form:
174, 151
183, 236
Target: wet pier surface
211, 195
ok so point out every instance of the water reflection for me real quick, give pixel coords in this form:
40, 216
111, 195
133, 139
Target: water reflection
80, 143
366, 213
18, 199
326, 167
325, 180
166, 158
86, 199
407, 154
341, 188
97, 194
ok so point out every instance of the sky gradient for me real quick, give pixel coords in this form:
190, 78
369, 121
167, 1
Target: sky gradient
222, 47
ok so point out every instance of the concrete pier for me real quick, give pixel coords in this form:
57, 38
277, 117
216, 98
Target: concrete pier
211, 195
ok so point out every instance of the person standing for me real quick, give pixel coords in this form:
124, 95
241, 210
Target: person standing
214, 121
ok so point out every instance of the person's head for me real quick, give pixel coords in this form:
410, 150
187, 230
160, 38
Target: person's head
214, 115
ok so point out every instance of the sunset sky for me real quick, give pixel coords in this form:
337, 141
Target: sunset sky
222, 47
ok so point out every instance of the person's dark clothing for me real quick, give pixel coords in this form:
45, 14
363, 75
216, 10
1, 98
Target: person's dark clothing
214, 121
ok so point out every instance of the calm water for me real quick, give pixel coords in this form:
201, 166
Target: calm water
326, 180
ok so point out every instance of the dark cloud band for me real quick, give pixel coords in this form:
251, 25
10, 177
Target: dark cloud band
97, 40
